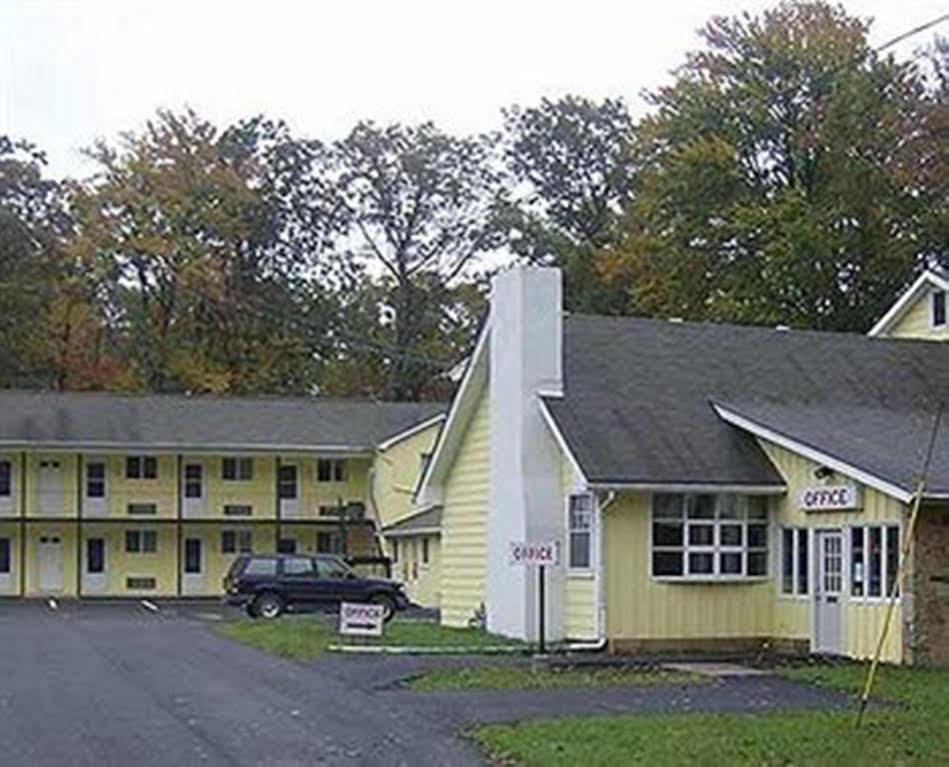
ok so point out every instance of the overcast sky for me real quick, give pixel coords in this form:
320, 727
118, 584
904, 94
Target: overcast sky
73, 71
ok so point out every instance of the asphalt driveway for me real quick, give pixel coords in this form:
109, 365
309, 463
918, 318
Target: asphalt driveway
116, 684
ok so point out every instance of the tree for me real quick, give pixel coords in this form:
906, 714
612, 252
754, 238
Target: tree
418, 211
196, 236
571, 158
779, 177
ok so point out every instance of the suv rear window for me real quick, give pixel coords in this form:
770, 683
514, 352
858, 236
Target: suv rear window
261, 566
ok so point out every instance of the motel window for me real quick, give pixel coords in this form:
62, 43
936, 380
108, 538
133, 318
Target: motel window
330, 542
795, 580
194, 480
874, 560
4, 555
237, 469
95, 480
395, 550
939, 308
425, 550
6, 478
705, 536
141, 541
287, 483
237, 541
331, 470
580, 531
141, 467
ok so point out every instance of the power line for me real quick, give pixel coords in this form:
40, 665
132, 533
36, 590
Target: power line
912, 33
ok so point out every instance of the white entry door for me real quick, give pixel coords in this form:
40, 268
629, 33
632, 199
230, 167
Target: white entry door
193, 491
50, 495
194, 567
829, 593
95, 573
49, 558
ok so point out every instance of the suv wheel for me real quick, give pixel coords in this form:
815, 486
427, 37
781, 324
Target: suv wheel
268, 606
387, 603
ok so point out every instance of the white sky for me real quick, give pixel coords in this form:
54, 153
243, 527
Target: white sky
73, 71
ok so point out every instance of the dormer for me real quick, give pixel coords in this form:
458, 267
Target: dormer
921, 312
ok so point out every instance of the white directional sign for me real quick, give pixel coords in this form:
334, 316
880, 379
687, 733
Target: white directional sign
356, 619
534, 554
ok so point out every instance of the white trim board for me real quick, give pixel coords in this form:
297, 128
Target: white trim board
561, 441
410, 432
903, 303
687, 487
866, 478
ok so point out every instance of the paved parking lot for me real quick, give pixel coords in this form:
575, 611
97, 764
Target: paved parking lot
117, 684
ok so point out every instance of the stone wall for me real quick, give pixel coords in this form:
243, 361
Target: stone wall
928, 580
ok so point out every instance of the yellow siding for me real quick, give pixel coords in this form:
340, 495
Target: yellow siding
396, 473
216, 562
259, 492
422, 581
121, 491
863, 617
580, 607
314, 494
916, 322
120, 565
639, 607
464, 522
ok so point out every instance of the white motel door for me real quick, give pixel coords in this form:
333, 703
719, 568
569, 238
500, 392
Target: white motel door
829, 593
50, 494
49, 557
193, 490
95, 575
193, 580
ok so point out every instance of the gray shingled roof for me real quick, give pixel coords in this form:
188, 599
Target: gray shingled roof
179, 421
638, 394
430, 519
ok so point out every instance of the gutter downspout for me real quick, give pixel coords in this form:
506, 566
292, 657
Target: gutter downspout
601, 569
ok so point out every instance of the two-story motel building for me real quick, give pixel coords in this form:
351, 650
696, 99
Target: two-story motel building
711, 486
105, 495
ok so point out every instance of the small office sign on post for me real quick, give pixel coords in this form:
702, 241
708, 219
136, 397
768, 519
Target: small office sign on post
540, 555
357, 619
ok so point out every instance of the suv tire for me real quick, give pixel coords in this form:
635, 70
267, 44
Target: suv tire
267, 606
387, 602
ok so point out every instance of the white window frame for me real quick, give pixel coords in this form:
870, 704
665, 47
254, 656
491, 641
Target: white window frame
883, 596
141, 535
590, 531
716, 548
932, 309
241, 462
142, 474
338, 471
104, 480
797, 533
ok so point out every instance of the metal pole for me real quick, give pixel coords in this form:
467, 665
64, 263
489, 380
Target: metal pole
540, 617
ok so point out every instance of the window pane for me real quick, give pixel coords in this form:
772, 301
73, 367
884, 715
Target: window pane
939, 308
757, 563
857, 574
579, 549
758, 536
192, 555
324, 471
425, 550
6, 471
339, 470
892, 556
133, 467
228, 469
729, 563
728, 506
298, 566
330, 567
149, 541
803, 577
4, 555
700, 563
132, 541
228, 544
259, 566
150, 467
287, 546
667, 533
95, 555
875, 560
702, 507
731, 535
701, 535
246, 468
787, 561
245, 541
666, 563
667, 505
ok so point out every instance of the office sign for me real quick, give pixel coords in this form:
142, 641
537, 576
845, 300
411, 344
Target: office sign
357, 619
525, 554
830, 498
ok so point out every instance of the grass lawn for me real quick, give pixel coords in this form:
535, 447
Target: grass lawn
914, 733
308, 636
523, 678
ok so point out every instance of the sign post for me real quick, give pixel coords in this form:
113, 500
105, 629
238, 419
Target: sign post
538, 555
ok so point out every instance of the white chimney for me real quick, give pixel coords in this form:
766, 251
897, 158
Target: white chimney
525, 498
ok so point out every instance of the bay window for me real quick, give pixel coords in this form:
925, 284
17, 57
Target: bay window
702, 536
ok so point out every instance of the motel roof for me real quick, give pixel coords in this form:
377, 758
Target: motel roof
203, 422
425, 521
657, 402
